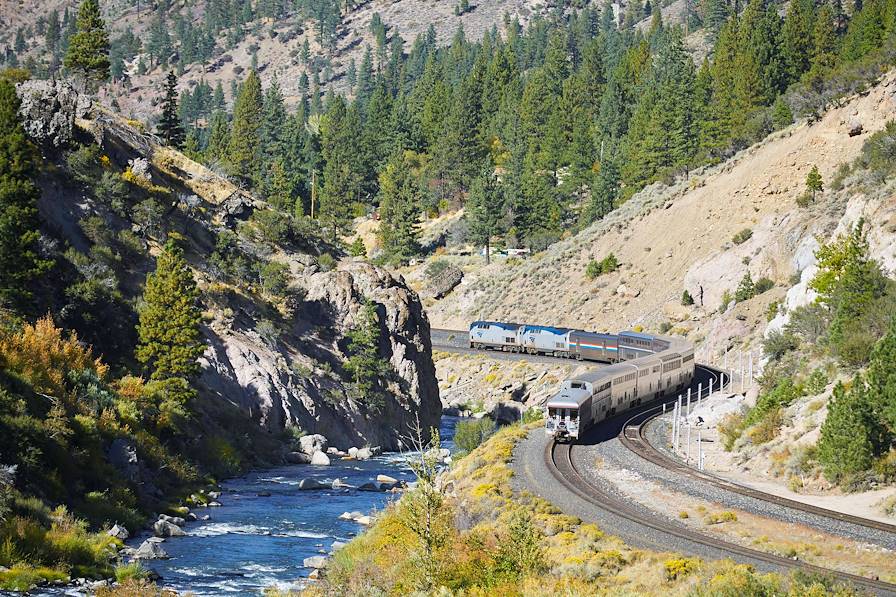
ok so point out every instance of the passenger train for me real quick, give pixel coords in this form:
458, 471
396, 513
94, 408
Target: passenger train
643, 368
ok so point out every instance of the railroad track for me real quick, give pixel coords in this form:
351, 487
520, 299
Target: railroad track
633, 438
559, 461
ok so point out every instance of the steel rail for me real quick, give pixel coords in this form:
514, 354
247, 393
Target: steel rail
559, 461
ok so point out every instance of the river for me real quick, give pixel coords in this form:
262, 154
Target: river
255, 540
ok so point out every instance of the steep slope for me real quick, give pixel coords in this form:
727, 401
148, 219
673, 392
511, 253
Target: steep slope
277, 356
669, 239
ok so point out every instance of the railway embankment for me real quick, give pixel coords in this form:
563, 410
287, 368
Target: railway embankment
498, 534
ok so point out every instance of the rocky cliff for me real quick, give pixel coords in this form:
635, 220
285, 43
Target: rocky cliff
279, 360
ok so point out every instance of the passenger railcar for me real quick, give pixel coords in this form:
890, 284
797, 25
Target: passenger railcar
592, 346
640, 376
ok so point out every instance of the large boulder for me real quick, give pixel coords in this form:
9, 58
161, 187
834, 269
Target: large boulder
445, 281
49, 109
173, 519
313, 443
320, 459
150, 550
315, 562
119, 532
312, 484
298, 458
163, 528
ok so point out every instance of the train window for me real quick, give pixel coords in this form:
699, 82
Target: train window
577, 385
510, 340
552, 412
573, 414
560, 345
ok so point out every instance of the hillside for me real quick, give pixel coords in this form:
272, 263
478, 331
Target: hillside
671, 239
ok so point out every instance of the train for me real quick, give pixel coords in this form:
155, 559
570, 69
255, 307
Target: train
642, 368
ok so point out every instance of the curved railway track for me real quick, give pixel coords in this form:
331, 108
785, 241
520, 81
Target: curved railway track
633, 437
558, 459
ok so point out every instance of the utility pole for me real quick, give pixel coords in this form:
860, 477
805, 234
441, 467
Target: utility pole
313, 194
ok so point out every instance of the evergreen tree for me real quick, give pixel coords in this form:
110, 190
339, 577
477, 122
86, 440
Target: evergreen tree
882, 383
365, 364
216, 149
170, 339
273, 124
813, 181
88, 48
484, 209
19, 260
824, 42
845, 447
342, 181
796, 39
400, 199
170, 129
244, 152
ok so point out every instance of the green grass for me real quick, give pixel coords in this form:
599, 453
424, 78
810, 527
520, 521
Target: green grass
23, 577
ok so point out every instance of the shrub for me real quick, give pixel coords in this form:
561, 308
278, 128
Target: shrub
470, 434
745, 290
680, 567
273, 226
762, 285
772, 310
665, 327
357, 248
726, 300
127, 572
326, 262
779, 343
83, 163
879, 153
274, 278
817, 382
606, 265
809, 322
731, 427
767, 428
22, 577
742, 236
720, 517
112, 191
686, 299
780, 396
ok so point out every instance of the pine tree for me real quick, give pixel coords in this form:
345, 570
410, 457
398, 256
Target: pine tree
19, 260
365, 363
484, 209
882, 382
845, 447
88, 48
170, 339
824, 42
796, 39
244, 152
814, 184
170, 129
400, 200
273, 123
339, 130
218, 137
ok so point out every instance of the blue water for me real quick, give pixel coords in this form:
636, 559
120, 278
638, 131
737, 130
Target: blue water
253, 542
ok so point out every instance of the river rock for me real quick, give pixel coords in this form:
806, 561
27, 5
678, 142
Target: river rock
214, 504
364, 520
315, 562
386, 479
354, 515
320, 459
312, 484
363, 454
336, 546
119, 532
192, 517
313, 443
298, 458
150, 550
370, 486
340, 484
163, 528
335, 452
173, 519
214, 494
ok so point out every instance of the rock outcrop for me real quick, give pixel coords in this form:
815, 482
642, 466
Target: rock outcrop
49, 110
242, 368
